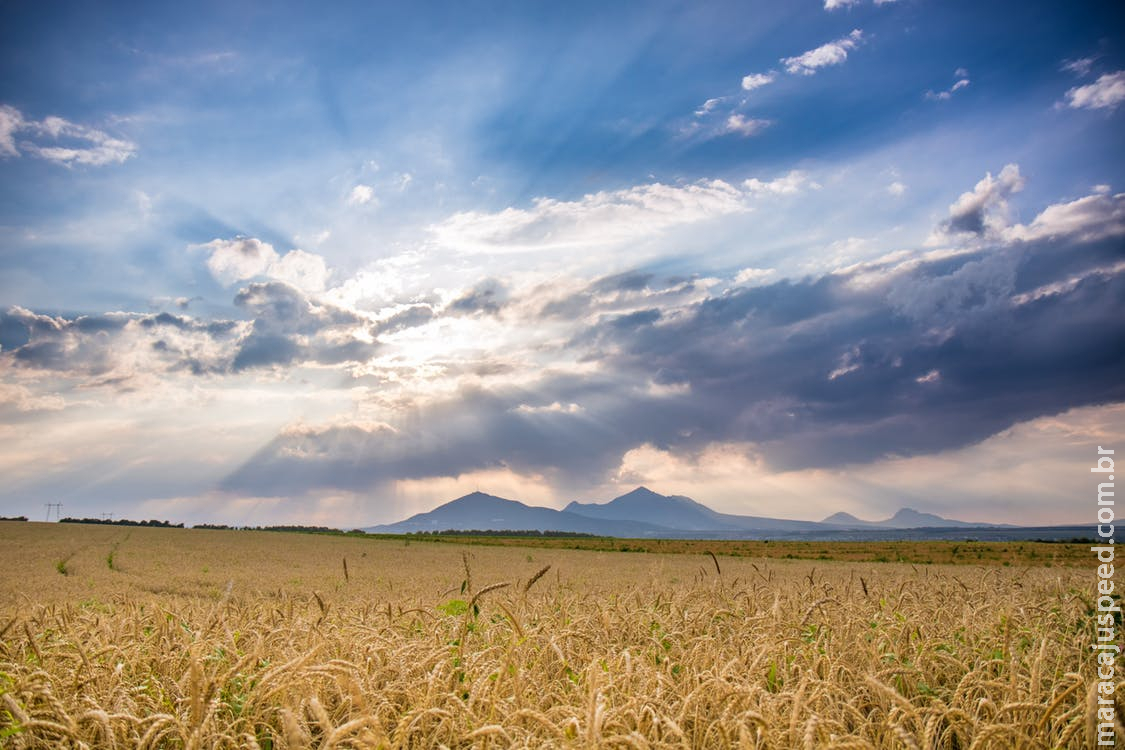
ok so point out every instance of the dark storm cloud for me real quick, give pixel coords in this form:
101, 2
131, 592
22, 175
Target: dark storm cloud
969, 219
411, 317
60, 344
487, 297
263, 349
286, 327
932, 358
479, 429
984, 206
632, 281
108, 323
13, 332
850, 367
289, 327
285, 307
183, 323
633, 320
567, 308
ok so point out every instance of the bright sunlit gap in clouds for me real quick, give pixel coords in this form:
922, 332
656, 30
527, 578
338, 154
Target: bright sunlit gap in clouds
261, 266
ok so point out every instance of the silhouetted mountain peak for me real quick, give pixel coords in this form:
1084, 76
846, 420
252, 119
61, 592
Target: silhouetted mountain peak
909, 518
910, 515
641, 512
479, 500
846, 519
676, 512
481, 511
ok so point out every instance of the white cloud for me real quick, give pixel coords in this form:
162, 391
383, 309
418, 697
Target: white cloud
238, 259
896, 188
834, 4
708, 106
22, 399
1105, 93
757, 80
553, 408
80, 144
244, 258
10, 122
1079, 67
144, 203
849, 362
303, 270
984, 210
608, 217
1091, 218
842, 255
361, 195
743, 125
832, 53
1067, 285
788, 184
596, 219
750, 276
962, 76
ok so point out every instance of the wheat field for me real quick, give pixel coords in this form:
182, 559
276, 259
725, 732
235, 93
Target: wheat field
172, 638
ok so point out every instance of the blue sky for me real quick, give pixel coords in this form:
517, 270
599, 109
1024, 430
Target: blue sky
287, 262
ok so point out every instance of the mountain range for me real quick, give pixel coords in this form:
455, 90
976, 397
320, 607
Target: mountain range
643, 513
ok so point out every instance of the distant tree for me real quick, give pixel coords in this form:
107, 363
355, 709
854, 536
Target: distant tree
122, 522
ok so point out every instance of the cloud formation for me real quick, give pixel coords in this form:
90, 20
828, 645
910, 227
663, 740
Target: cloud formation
361, 195
962, 77
565, 378
906, 356
242, 258
289, 327
826, 55
1080, 66
61, 141
757, 80
745, 126
1105, 93
115, 347
1088, 219
286, 327
789, 184
603, 218
983, 211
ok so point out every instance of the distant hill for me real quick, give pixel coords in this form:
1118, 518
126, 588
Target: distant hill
644, 513
905, 518
682, 514
847, 520
481, 511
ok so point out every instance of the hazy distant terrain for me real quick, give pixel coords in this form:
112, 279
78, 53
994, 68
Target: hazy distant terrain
643, 513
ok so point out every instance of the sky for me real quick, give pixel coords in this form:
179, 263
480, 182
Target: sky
339, 263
